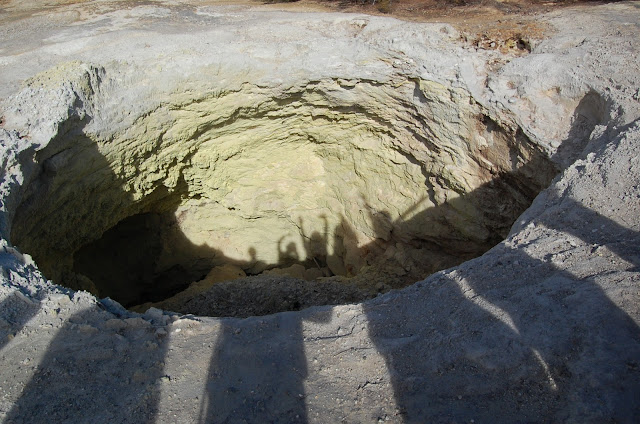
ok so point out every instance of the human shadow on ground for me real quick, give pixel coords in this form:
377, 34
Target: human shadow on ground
91, 374
534, 342
257, 372
258, 365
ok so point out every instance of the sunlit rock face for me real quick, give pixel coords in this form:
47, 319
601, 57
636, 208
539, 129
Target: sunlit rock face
385, 181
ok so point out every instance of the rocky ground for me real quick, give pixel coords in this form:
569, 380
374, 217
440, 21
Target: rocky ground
541, 328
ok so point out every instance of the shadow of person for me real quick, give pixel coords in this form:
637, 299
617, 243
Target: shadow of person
91, 374
316, 245
255, 263
257, 371
258, 365
517, 334
586, 344
289, 254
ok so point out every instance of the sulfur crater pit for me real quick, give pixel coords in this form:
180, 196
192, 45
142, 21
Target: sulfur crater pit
325, 191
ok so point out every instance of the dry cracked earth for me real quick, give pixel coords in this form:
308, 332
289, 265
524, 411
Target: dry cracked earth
237, 212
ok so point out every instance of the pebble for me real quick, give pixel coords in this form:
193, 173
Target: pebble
154, 313
136, 322
115, 324
86, 329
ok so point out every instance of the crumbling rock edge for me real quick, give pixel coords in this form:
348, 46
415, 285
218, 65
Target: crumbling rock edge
543, 327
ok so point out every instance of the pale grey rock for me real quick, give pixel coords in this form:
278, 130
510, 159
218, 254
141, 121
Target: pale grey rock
543, 327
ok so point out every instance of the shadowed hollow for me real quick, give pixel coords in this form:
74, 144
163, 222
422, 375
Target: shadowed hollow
353, 186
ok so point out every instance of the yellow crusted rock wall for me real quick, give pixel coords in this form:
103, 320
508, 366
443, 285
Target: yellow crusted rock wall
342, 174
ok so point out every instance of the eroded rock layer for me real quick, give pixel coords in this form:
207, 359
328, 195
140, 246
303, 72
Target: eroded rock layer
395, 179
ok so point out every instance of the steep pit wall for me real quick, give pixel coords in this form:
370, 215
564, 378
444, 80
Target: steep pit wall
377, 183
